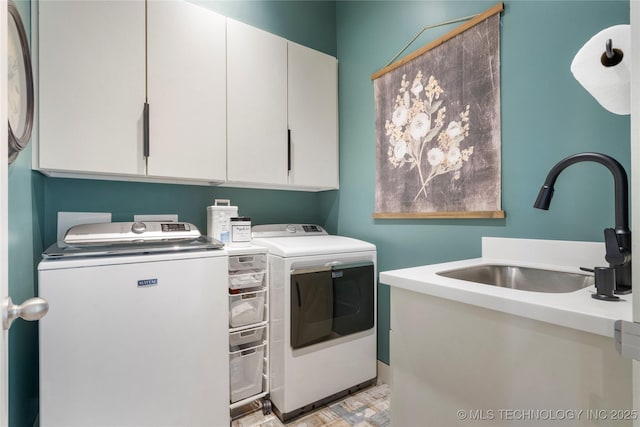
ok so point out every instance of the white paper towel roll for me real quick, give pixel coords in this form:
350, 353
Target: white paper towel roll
610, 86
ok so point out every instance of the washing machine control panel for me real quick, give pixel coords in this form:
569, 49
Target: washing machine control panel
130, 232
312, 229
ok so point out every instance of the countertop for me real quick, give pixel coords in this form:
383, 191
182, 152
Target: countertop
576, 310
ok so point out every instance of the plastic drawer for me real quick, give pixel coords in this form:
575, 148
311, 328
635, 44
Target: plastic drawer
246, 308
247, 338
247, 262
245, 371
246, 279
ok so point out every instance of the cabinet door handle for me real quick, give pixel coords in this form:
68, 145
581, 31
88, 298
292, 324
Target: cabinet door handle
145, 147
288, 150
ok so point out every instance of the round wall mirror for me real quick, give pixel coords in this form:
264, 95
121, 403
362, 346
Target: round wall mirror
20, 84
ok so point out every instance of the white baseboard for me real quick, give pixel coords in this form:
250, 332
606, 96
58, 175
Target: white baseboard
384, 373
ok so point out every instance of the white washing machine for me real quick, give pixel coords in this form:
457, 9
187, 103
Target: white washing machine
134, 334
322, 315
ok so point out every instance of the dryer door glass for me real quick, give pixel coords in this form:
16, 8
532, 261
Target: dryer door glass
353, 298
311, 307
327, 303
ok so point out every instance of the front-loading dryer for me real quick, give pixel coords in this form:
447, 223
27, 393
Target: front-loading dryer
322, 315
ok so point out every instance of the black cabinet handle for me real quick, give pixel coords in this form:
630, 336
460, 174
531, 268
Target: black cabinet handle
288, 150
145, 147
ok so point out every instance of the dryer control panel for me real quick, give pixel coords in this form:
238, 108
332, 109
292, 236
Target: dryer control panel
287, 230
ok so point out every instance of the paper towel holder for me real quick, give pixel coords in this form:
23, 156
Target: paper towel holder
611, 57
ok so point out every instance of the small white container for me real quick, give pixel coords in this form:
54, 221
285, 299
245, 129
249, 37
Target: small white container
241, 231
219, 219
245, 371
246, 308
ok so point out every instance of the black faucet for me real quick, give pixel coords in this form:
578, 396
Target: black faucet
617, 241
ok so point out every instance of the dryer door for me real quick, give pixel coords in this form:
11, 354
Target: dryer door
311, 306
330, 302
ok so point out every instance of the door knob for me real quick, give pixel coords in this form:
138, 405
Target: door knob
31, 309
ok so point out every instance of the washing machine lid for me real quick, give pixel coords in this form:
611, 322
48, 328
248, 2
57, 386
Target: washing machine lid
60, 250
305, 243
129, 238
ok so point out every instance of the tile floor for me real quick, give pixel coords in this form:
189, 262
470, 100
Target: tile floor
367, 408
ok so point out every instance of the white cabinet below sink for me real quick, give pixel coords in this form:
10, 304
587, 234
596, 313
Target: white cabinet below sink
465, 352
463, 365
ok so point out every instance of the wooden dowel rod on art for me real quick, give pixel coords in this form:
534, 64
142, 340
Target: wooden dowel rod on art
440, 215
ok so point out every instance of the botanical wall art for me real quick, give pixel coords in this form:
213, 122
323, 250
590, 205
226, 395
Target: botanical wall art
438, 127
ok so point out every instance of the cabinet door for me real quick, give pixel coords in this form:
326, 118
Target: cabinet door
256, 106
91, 86
186, 91
313, 118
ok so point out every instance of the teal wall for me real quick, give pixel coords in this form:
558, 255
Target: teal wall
124, 199
546, 115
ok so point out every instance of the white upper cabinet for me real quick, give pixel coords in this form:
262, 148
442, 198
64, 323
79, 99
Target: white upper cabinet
93, 82
91, 86
282, 112
256, 106
226, 102
186, 91
313, 118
